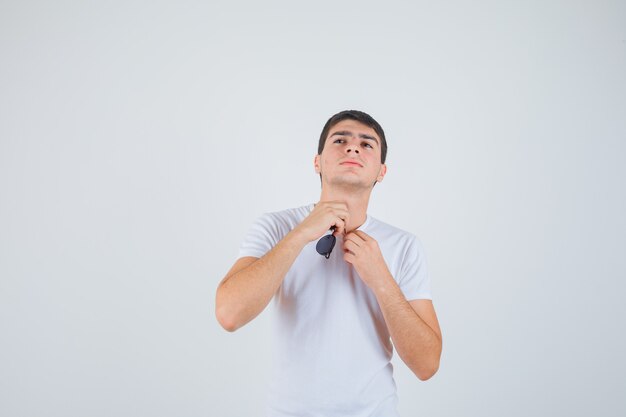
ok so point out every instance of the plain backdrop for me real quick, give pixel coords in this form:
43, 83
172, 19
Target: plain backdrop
139, 140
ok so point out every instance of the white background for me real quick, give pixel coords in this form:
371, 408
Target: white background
140, 139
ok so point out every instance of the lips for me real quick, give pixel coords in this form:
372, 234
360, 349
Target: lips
352, 162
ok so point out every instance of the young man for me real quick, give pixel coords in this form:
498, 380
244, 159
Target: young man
338, 313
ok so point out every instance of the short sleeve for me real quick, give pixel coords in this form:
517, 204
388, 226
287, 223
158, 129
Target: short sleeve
414, 280
262, 236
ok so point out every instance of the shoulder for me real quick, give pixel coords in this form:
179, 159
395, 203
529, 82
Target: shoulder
386, 231
395, 239
295, 212
287, 218
271, 227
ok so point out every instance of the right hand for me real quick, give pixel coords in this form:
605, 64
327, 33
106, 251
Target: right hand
325, 215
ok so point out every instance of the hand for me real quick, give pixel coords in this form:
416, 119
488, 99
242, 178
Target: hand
325, 215
362, 252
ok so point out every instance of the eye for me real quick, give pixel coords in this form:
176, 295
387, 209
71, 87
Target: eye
367, 145
339, 141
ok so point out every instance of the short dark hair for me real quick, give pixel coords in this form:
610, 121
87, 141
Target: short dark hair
361, 117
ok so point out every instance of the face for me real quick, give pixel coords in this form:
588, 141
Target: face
351, 156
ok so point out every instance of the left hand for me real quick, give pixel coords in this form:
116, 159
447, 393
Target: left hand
362, 252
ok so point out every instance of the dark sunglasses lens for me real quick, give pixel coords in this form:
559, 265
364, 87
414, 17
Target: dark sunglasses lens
325, 245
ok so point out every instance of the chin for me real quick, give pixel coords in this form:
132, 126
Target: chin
347, 182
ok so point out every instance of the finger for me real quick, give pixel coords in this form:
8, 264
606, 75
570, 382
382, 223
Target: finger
351, 246
332, 213
338, 209
355, 238
343, 224
351, 237
344, 214
362, 234
339, 227
349, 257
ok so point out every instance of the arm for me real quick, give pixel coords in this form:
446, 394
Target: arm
252, 282
413, 326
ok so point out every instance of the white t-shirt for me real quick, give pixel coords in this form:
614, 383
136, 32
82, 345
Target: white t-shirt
332, 349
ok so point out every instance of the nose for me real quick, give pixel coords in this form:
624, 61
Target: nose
352, 148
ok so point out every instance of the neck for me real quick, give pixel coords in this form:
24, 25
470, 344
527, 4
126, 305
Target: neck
357, 204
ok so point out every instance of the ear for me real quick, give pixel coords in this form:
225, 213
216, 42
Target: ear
316, 164
381, 173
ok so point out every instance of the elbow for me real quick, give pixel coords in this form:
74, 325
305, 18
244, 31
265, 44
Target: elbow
225, 315
425, 373
226, 320
430, 365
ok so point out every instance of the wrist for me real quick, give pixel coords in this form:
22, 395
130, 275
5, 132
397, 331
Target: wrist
385, 287
297, 238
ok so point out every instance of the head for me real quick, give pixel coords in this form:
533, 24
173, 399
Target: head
351, 151
361, 117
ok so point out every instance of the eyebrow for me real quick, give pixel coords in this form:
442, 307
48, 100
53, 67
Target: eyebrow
348, 133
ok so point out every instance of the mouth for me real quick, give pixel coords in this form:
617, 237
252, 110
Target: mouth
351, 163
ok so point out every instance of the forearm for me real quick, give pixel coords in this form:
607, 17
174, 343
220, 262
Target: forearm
416, 343
242, 295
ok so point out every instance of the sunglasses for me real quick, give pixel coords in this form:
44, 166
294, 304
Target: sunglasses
326, 244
